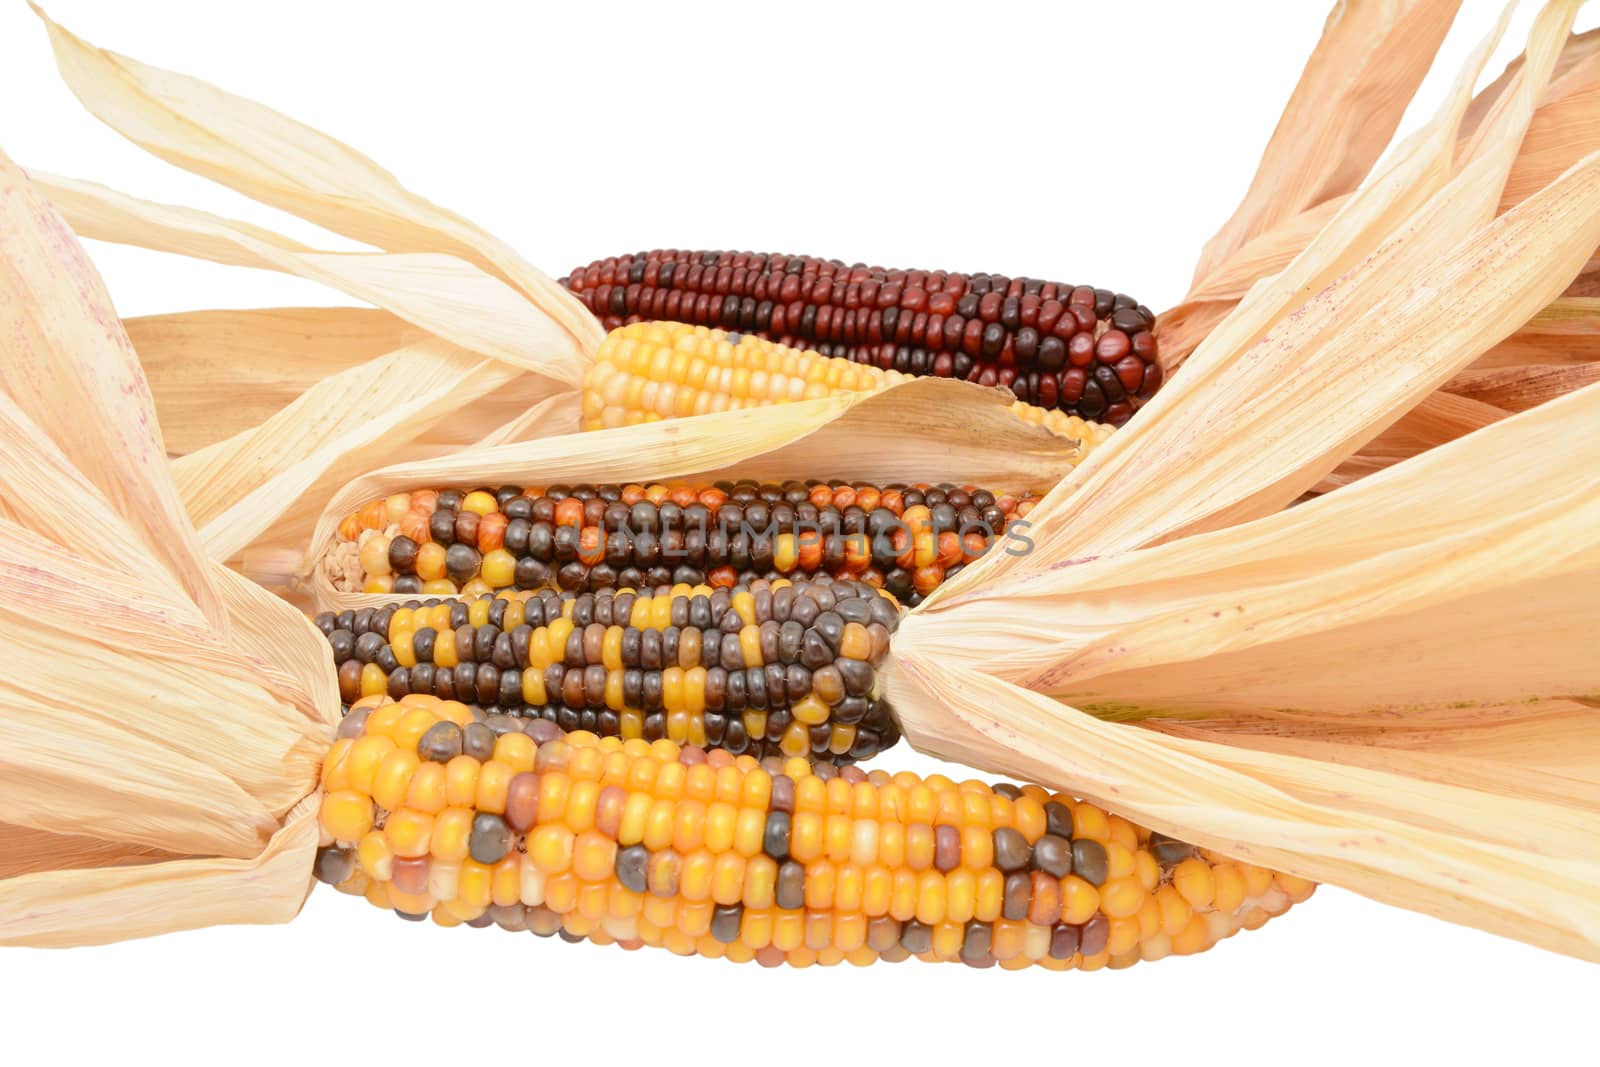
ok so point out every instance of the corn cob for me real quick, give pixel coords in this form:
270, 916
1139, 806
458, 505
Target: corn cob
905, 539
775, 669
1088, 352
703, 852
660, 370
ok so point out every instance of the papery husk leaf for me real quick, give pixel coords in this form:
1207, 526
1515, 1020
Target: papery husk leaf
1565, 127
1556, 352
1567, 331
1520, 388
1416, 169
271, 158
68, 362
1586, 284
1439, 419
218, 373
1540, 750
1432, 576
97, 905
444, 295
162, 720
921, 429
1347, 104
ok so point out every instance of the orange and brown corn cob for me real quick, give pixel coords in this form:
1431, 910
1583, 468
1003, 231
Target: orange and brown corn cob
770, 669
1085, 351
904, 539
430, 814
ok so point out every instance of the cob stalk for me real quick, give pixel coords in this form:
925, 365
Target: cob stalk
1083, 351
774, 668
430, 814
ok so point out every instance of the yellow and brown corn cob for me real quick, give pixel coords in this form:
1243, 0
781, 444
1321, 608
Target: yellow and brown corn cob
905, 539
661, 370
769, 669
631, 843
1085, 351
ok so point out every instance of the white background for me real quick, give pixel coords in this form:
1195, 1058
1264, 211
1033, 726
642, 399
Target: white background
1098, 143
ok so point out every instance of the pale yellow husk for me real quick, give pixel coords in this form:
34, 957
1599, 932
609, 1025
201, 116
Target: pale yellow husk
1289, 205
1390, 688
161, 719
214, 374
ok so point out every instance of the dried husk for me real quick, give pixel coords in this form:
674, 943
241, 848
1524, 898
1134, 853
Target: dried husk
214, 374
1457, 779
169, 787
1564, 127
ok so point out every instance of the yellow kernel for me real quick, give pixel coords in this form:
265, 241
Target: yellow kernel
1230, 888
551, 847
515, 750
409, 832
375, 856
346, 814
392, 780
452, 832
1193, 879
480, 503
594, 856
461, 781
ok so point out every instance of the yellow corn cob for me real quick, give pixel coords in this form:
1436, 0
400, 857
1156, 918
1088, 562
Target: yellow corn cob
660, 370
636, 843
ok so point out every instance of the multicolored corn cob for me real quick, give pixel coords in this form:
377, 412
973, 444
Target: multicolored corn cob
769, 668
904, 539
780, 862
1085, 351
662, 370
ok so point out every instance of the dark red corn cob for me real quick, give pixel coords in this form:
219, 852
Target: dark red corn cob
1088, 352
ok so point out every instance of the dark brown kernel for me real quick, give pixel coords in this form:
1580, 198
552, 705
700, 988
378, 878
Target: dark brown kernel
1018, 893
1011, 850
477, 741
1064, 941
977, 942
1053, 855
916, 937
775, 838
1058, 819
1169, 852
333, 865
1089, 861
633, 864
790, 888
441, 743
725, 922
1093, 934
